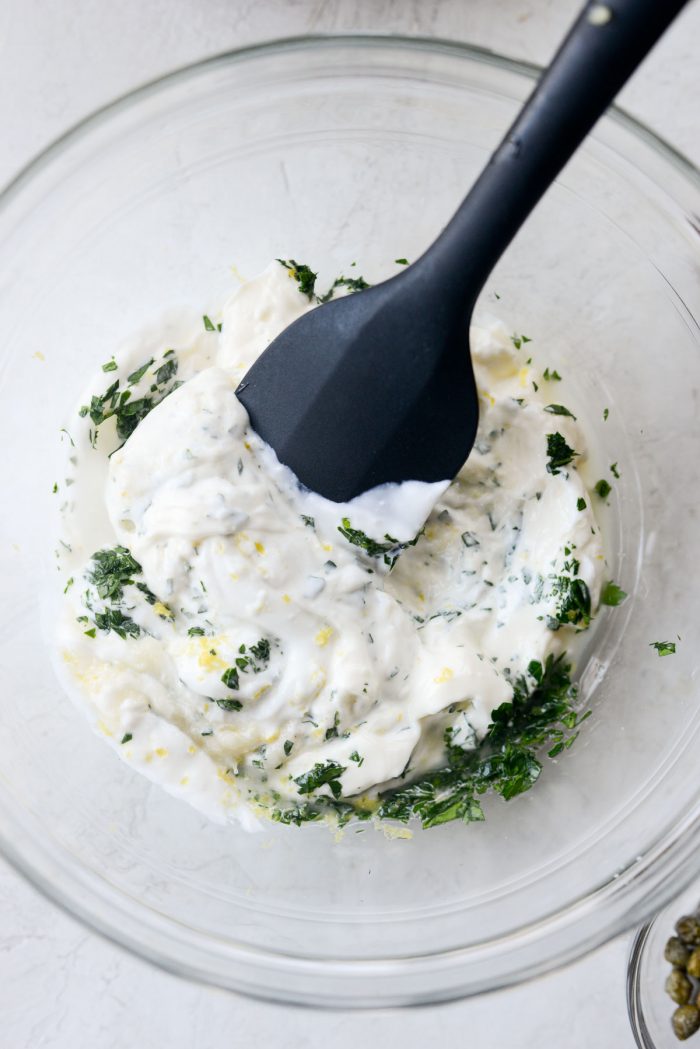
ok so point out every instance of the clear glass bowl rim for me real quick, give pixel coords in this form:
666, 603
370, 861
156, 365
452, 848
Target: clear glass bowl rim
675, 855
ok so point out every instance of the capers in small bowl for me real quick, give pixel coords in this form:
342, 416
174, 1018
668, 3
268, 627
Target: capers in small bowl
676, 952
683, 982
678, 987
685, 1021
688, 929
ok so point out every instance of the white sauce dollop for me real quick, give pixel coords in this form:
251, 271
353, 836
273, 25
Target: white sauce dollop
339, 658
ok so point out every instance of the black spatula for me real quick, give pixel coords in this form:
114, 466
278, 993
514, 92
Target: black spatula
378, 386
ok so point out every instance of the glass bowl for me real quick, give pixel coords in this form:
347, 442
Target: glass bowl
650, 1008
331, 151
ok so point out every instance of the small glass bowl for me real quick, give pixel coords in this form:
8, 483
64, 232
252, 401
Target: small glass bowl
650, 1008
333, 151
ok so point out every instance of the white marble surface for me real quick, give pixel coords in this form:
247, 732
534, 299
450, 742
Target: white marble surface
61, 986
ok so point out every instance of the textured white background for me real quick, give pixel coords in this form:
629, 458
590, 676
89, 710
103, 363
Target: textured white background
60, 985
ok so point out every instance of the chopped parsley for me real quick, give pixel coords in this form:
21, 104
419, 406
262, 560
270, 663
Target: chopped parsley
612, 595
614, 471
209, 324
113, 619
388, 550
551, 376
542, 713
127, 410
127, 737
606, 413
138, 375
112, 570
110, 366
602, 488
302, 274
229, 704
574, 601
664, 648
166, 372
401, 262
519, 340
356, 758
353, 283
332, 731
195, 631
308, 521
261, 652
558, 452
559, 409
253, 660
288, 744
580, 504
231, 679
326, 773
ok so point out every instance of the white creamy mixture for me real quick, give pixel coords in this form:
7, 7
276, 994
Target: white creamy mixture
244, 641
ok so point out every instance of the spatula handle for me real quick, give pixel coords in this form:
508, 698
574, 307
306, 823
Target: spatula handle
607, 42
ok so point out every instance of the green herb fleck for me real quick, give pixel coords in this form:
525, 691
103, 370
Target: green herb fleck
127, 737
558, 452
580, 504
113, 619
332, 731
322, 774
255, 662
303, 275
195, 631
664, 648
352, 283
110, 366
166, 371
602, 488
261, 652
288, 744
388, 550
308, 521
231, 679
112, 570
401, 262
574, 601
559, 409
126, 411
614, 471
356, 758
551, 376
606, 413
91, 632
55, 487
229, 704
612, 595
137, 375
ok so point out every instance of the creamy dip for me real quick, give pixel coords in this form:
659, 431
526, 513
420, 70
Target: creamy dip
252, 646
